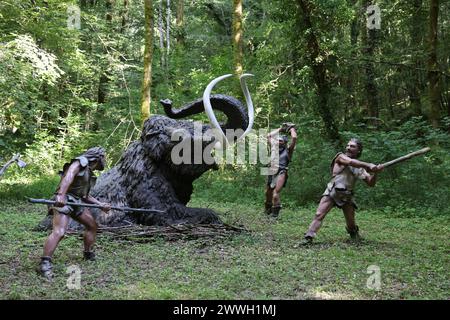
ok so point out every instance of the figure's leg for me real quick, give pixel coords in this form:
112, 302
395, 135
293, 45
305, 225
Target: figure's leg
352, 228
276, 202
325, 205
268, 203
60, 223
90, 233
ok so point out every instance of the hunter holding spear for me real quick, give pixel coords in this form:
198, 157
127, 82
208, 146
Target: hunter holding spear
345, 170
77, 179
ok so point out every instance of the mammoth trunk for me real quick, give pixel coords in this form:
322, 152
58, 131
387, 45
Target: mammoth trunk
234, 110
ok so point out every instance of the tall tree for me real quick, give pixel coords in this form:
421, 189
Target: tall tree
124, 15
369, 39
168, 27
238, 33
415, 86
350, 81
180, 22
433, 67
104, 77
317, 60
148, 55
168, 18
161, 34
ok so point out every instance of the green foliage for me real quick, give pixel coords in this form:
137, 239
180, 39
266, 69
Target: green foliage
24, 69
420, 183
18, 186
49, 83
51, 79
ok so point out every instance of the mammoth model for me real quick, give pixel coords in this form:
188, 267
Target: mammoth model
147, 177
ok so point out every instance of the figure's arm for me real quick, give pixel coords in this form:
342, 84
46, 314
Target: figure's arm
65, 183
291, 148
90, 199
347, 161
371, 180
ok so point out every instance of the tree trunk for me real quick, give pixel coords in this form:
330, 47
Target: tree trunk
369, 43
104, 77
168, 27
417, 31
148, 54
238, 37
354, 30
124, 16
447, 95
161, 34
319, 72
180, 23
109, 8
168, 17
433, 68
351, 102
102, 88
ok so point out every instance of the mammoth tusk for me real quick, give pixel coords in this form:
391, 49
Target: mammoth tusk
248, 100
208, 108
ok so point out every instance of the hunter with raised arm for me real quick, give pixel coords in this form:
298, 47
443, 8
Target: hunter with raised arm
278, 179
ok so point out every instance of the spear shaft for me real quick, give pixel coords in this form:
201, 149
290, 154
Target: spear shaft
88, 205
406, 157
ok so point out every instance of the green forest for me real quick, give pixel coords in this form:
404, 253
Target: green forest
79, 74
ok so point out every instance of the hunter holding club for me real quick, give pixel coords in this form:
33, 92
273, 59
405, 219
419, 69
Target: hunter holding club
278, 179
345, 170
77, 179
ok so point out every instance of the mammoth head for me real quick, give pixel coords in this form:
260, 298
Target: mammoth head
187, 146
184, 147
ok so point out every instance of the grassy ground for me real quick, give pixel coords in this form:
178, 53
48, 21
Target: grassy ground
412, 254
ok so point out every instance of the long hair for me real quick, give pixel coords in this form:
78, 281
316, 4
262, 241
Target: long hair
96, 154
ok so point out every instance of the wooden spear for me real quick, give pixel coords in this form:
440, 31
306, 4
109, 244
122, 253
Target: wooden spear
406, 157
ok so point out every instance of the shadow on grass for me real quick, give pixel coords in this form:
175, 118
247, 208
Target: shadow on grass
349, 243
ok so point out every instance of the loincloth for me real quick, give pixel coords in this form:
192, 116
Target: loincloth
68, 210
273, 179
340, 197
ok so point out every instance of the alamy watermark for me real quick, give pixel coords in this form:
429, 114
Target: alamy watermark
374, 280
74, 17
74, 280
373, 17
230, 147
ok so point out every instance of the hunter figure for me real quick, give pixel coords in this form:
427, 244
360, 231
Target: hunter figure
278, 180
345, 170
77, 179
